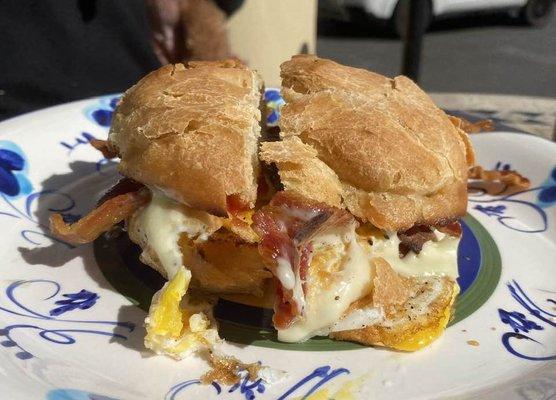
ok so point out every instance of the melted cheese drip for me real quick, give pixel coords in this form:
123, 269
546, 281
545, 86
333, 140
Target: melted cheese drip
437, 258
161, 224
285, 274
351, 282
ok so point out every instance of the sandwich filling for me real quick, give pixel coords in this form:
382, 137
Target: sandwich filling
323, 264
338, 273
160, 225
177, 325
438, 256
320, 265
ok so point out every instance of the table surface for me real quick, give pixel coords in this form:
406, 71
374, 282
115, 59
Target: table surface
535, 115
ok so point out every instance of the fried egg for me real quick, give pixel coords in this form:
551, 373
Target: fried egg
413, 325
340, 279
339, 273
176, 326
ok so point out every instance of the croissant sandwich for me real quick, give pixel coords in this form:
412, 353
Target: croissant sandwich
351, 211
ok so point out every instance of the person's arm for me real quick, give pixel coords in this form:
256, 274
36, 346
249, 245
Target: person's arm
188, 30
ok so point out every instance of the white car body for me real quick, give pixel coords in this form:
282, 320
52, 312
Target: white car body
384, 9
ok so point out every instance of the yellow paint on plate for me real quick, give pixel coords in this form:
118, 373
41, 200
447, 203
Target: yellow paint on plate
346, 391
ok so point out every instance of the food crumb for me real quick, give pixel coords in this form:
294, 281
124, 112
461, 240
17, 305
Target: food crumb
464, 330
472, 343
492, 328
226, 370
387, 383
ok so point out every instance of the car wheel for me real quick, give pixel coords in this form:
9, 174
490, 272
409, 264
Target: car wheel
401, 14
537, 12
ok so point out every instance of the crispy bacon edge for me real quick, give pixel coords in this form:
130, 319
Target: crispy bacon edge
104, 146
119, 203
512, 179
415, 238
484, 125
286, 227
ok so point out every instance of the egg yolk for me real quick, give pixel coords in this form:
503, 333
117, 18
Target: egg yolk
427, 335
175, 330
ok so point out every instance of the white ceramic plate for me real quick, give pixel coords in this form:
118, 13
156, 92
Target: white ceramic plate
66, 331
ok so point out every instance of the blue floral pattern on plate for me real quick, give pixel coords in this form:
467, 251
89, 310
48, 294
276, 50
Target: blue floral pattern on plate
13, 171
64, 335
547, 195
18, 185
520, 324
82, 300
74, 394
102, 111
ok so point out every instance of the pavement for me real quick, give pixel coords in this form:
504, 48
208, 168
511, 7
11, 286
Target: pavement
481, 54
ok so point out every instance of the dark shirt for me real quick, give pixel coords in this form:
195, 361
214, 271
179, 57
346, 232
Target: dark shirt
55, 51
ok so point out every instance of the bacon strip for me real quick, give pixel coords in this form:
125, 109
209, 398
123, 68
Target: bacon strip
415, 238
124, 185
286, 227
484, 125
512, 179
99, 220
104, 146
451, 228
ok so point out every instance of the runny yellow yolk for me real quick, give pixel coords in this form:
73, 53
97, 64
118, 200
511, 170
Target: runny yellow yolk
429, 334
166, 317
173, 330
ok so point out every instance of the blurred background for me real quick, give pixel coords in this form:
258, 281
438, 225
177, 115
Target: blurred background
488, 46
479, 57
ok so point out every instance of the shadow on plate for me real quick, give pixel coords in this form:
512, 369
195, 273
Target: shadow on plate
73, 194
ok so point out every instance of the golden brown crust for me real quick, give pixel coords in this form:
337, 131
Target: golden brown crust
192, 130
397, 212
309, 74
390, 289
300, 170
399, 158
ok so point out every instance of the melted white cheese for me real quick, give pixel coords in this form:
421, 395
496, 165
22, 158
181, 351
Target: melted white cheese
437, 258
285, 274
323, 311
161, 223
325, 307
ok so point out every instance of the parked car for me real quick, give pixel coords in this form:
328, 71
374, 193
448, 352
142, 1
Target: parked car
394, 12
